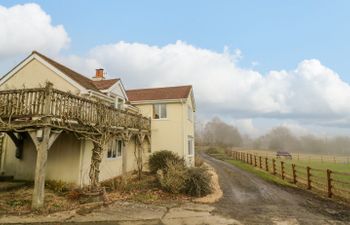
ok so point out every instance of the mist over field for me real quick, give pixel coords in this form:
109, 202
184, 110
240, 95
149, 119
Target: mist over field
219, 133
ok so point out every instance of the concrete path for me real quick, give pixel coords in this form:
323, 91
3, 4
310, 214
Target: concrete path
130, 213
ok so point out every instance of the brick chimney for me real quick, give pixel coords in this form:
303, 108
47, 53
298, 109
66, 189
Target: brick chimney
99, 74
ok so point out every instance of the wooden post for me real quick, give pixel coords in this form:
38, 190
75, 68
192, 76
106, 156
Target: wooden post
282, 170
251, 159
40, 167
266, 165
42, 142
329, 183
260, 162
308, 175
255, 160
294, 174
274, 166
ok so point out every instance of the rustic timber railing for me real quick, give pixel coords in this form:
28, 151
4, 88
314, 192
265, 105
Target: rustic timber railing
333, 183
30, 105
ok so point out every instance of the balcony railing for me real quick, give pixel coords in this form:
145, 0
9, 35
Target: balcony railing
62, 107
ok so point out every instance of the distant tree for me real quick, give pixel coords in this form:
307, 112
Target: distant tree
217, 132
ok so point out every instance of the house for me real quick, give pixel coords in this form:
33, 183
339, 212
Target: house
171, 110
46, 127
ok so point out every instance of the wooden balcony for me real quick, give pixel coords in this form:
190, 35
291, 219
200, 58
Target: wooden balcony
43, 113
23, 108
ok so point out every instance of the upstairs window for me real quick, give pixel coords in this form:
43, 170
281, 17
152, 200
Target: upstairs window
189, 113
159, 111
114, 149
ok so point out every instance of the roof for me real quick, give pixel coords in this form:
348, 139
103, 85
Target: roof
162, 93
105, 84
82, 80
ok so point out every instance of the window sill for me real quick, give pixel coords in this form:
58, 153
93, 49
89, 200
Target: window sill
162, 119
116, 158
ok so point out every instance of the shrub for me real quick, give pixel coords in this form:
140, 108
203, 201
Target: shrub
158, 160
198, 161
173, 178
198, 182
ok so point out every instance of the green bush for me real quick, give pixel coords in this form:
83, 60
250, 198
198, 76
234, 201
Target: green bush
158, 160
198, 182
173, 178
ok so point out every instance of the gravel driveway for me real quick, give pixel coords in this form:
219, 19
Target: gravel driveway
251, 200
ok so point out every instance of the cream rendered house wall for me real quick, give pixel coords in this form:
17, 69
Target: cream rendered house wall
188, 130
35, 74
171, 133
167, 134
109, 168
61, 163
65, 151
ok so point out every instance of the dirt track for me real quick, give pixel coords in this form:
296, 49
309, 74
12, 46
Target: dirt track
251, 200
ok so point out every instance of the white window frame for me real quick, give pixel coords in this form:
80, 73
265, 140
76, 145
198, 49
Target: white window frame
115, 149
190, 146
157, 110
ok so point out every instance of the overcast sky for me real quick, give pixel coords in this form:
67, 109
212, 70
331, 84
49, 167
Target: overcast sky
256, 64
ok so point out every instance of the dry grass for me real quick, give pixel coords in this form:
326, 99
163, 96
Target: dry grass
19, 202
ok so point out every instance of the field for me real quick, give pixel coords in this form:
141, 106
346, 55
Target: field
325, 174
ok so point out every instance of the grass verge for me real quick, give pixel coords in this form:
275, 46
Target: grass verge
260, 173
220, 154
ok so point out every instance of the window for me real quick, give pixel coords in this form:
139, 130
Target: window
114, 149
159, 111
189, 113
190, 145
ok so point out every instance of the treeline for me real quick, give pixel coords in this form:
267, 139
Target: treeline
218, 133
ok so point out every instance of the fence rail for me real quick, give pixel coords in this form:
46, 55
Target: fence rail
304, 156
332, 183
35, 103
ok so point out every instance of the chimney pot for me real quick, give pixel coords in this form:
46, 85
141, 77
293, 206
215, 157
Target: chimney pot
99, 73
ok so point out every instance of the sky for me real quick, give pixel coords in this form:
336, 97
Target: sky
256, 64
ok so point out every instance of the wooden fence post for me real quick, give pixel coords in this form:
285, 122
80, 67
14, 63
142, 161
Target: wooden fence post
251, 159
308, 175
274, 166
266, 165
329, 183
294, 174
282, 170
255, 160
260, 162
